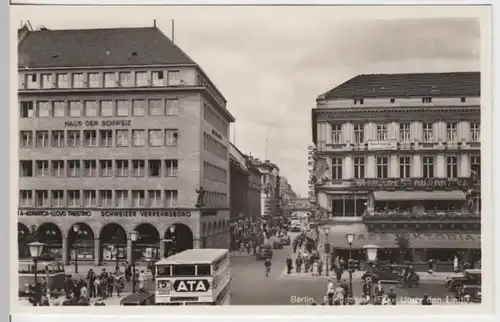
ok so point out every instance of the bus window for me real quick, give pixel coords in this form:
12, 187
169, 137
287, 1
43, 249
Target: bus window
183, 270
204, 270
163, 270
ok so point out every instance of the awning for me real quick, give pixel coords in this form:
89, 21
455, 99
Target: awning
418, 195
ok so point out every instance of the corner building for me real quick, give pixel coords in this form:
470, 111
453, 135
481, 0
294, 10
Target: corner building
118, 128
400, 154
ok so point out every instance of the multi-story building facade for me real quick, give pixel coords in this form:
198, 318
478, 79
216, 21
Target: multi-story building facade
238, 174
119, 130
400, 154
254, 192
287, 193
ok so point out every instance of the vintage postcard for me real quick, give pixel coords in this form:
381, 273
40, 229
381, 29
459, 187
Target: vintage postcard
285, 156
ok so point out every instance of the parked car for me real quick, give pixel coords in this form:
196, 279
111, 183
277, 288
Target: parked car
388, 274
470, 293
450, 278
285, 240
470, 277
277, 244
265, 251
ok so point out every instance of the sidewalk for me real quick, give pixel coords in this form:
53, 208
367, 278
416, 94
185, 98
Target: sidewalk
115, 300
84, 268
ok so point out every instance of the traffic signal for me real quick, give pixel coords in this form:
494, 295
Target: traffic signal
31, 294
327, 248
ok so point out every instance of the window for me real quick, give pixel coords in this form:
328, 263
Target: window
427, 132
158, 79
463, 99
73, 168
138, 108
89, 168
42, 198
141, 79
156, 108
121, 137
43, 109
404, 167
122, 108
25, 198
47, 81
121, 198
110, 80
121, 168
475, 132
58, 168
171, 137
26, 109
75, 109
154, 198
138, 168
90, 108
89, 137
154, 167
172, 106
106, 137
173, 78
336, 133
126, 79
426, 100
106, 108
404, 132
74, 198
475, 167
58, 139
26, 139
359, 133
170, 198
138, 137
451, 167
62, 80
381, 132
393, 100
105, 198
359, 101
89, 198
26, 168
73, 138
171, 168
337, 168
42, 139
382, 167
451, 132
78, 80
59, 109
57, 198
138, 198
155, 138
359, 168
94, 80
105, 168
428, 167
31, 81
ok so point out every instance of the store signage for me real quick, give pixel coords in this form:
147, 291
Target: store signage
91, 123
421, 236
383, 145
381, 184
146, 213
191, 285
312, 168
53, 213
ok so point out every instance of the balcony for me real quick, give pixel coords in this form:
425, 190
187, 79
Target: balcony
421, 216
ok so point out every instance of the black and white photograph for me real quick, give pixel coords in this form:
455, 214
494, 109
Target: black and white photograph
232, 155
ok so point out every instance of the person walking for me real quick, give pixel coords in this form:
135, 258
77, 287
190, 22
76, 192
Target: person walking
142, 281
330, 291
289, 264
320, 266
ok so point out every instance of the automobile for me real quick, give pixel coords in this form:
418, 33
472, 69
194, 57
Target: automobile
285, 240
277, 244
448, 280
469, 293
470, 277
265, 251
295, 229
388, 274
139, 298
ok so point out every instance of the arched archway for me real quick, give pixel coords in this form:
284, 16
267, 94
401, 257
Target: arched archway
178, 239
81, 243
147, 246
51, 235
23, 239
113, 238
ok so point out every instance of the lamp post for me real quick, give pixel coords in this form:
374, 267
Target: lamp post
327, 248
350, 240
76, 229
116, 239
133, 238
371, 253
36, 249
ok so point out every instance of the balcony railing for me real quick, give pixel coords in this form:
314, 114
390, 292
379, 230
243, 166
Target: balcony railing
401, 215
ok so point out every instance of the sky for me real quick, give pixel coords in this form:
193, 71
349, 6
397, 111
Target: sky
271, 63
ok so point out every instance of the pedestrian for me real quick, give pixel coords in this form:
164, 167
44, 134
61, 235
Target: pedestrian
110, 285
97, 287
119, 284
426, 300
68, 285
104, 283
431, 267
289, 264
142, 281
315, 268
84, 291
330, 290
391, 295
320, 266
90, 283
366, 288
128, 272
306, 262
455, 264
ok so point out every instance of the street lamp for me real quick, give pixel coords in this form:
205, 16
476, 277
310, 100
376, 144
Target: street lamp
76, 229
36, 249
350, 240
116, 239
327, 248
133, 238
371, 253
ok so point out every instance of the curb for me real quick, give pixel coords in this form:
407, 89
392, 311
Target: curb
354, 277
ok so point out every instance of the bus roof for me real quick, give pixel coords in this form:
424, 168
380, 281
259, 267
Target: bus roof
194, 256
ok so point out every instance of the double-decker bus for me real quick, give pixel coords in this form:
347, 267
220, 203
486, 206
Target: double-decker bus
194, 277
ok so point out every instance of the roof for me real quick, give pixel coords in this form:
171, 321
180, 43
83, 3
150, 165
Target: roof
98, 48
453, 84
418, 195
194, 256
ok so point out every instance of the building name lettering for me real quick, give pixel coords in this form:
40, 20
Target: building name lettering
111, 123
148, 213
380, 184
420, 236
312, 168
53, 213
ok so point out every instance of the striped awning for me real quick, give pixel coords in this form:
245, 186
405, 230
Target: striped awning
418, 195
